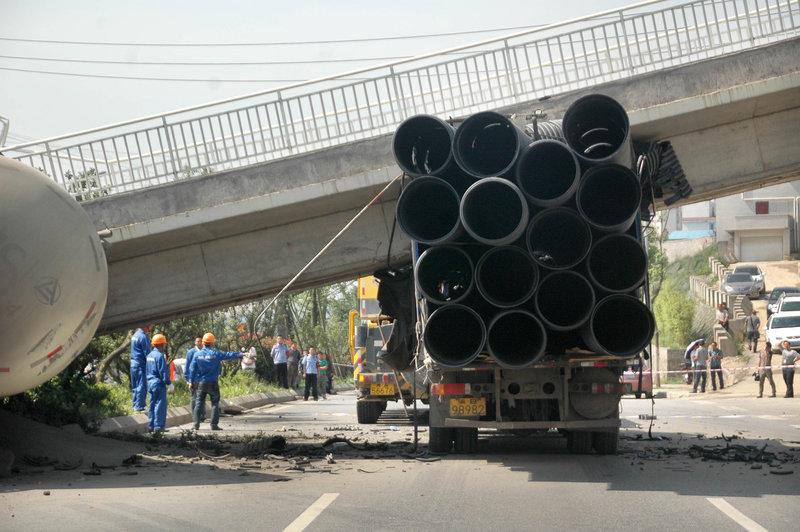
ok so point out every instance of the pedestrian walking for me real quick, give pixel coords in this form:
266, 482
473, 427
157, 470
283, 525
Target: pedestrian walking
279, 358
205, 377
157, 381
788, 360
310, 367
700, 357
765, 369
187, 374
140, 348
752, 324
293, 365
715, 357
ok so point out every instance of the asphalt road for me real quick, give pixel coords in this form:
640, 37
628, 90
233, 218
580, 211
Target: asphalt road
378, 481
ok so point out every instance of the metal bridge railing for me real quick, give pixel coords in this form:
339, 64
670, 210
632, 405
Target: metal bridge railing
370, 102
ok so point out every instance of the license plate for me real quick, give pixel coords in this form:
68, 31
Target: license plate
381, 389
468, 406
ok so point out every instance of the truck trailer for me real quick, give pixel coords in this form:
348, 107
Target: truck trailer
529, 293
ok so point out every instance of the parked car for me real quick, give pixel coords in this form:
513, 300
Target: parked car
630, 378
777, 292
783, 326
756, 272
788, 303
741, 284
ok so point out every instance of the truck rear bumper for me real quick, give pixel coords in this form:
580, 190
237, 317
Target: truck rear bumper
515, 425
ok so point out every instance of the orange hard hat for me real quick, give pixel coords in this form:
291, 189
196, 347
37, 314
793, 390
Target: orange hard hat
158, 339
208, 338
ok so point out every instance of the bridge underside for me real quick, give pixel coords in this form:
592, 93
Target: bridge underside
216, 240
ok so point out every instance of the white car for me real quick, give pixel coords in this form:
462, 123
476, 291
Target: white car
783, 326
788, 303
757, 274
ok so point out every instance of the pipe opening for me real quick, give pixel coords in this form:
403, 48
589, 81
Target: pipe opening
516, 339
621, 326
494, 211
548, 173
617, 263
506, 276
558, 238
423, 145
444, 274
609, 197
454, 335
428, 210
596, 127
487, 144
564, 300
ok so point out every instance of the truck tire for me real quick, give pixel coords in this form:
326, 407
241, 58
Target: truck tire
579, 441
465, 441
605, 442
440, 439
368, 412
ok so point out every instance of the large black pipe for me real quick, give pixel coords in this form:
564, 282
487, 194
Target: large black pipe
423, 145
506, 276
608, 197
620, 326
454, 335
617, 263
428, 211
548, 173
564, 300
558, 238
516, 339
488, 144
494, 211
596, 127
444, 274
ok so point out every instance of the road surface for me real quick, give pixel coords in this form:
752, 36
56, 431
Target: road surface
378, 481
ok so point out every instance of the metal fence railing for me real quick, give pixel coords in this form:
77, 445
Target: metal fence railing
369, 102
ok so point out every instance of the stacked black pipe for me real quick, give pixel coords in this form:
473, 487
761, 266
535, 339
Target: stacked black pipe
528, 245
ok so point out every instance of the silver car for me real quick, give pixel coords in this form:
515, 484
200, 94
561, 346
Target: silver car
756, 272
741, 284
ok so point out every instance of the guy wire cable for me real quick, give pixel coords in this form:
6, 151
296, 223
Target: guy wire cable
325, 248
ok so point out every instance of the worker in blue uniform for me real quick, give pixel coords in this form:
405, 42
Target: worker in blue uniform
140, 348
187, 373
157, 382
205, 377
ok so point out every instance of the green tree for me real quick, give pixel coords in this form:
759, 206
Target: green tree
674, 312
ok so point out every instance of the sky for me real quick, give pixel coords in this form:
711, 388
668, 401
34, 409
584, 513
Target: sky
71, 66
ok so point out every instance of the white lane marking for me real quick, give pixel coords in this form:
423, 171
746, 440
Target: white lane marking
795, 426
741, 519
311, 513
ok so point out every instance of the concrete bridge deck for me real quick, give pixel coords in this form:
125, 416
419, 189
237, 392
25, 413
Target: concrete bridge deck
231, 237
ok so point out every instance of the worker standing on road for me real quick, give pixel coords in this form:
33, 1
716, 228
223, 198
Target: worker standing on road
310, 367
700, 357
205, 377
293, 365
187, 373
279, 357
140, 348
322, 376
765, 369
788, 360
157, 382
715, 357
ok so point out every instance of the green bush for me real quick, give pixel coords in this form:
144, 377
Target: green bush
64, 400
674, 312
